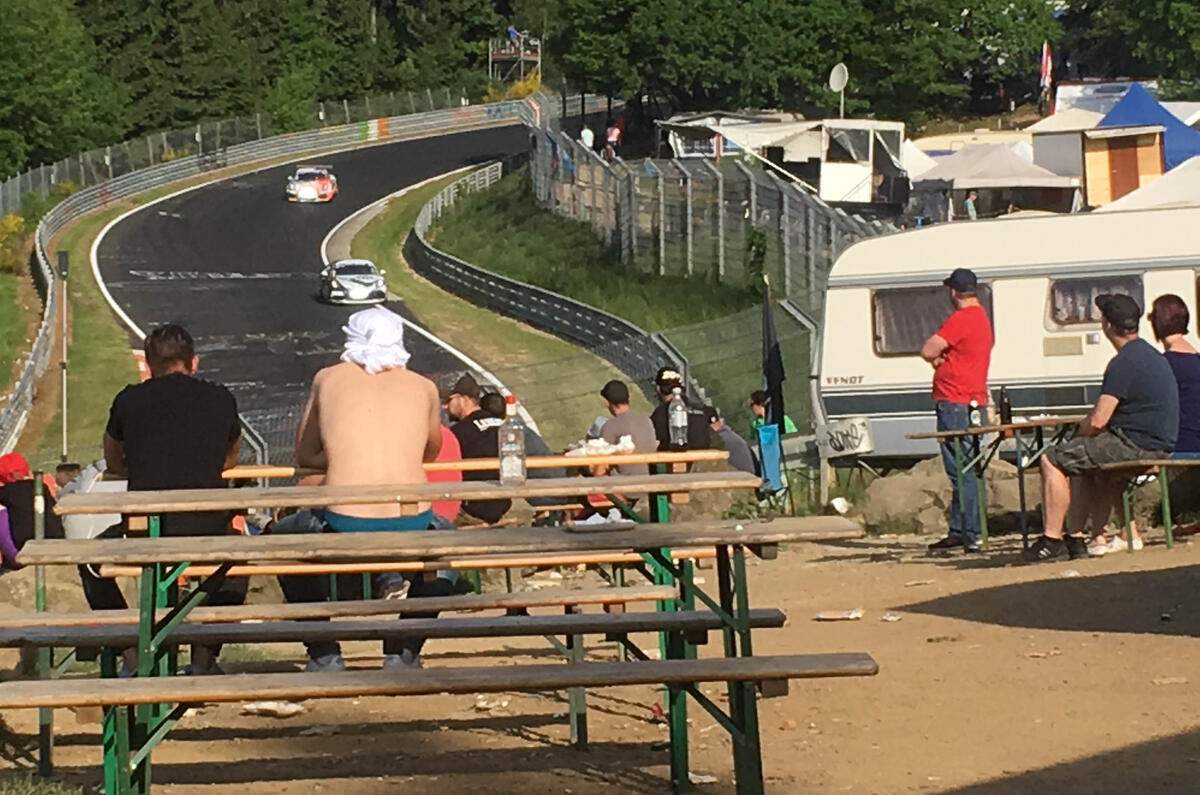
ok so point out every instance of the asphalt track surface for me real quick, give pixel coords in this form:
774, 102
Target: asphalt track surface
237, 265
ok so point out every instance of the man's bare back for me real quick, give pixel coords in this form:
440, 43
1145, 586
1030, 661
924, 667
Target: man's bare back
369, 429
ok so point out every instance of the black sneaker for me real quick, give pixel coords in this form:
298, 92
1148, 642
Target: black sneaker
1076, 546
1045, 549
947, 544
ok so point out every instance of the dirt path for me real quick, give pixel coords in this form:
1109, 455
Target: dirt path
1066, 678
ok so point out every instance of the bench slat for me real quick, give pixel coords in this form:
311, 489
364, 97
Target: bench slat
490, 679
551, 597
1146, 463
151, 502
458, 564
434, 544
471, 627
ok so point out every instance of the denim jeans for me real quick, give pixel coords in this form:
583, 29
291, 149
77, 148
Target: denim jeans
314, 588
963, 516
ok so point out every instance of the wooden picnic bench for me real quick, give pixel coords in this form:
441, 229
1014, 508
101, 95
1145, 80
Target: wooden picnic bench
136, 717
1149, 466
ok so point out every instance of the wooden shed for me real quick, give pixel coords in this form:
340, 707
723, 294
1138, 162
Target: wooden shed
1110, 161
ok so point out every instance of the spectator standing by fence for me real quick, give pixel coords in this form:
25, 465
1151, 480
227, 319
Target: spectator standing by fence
960, 352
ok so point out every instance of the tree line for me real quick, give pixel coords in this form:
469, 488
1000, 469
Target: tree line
75, 74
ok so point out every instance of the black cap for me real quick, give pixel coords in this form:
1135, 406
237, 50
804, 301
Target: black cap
466, 385
668, 377
1119, 310
615, 392
962, 279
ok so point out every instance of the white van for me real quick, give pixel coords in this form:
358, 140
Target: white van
1038, 276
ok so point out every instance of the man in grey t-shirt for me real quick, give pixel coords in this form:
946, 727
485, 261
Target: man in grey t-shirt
627, 422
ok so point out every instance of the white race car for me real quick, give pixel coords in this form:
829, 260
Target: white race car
312, 184
353, 281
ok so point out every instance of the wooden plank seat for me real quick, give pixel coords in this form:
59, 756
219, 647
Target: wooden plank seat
428, 681
1149, 466
695, 624
256, 471
145, 503
457, 564
551, 597
430, 545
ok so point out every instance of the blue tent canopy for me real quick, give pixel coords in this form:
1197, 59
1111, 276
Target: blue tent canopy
1137, 107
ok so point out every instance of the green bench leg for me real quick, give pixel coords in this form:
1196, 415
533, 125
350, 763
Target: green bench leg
1127, 514
44, 655
1168, 525
577, 696
750, 776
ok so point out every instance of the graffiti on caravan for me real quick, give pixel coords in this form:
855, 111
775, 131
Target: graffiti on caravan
850, 436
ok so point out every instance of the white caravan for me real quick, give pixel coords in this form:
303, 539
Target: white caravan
1038, 275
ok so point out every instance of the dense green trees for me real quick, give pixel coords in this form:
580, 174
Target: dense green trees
81, 73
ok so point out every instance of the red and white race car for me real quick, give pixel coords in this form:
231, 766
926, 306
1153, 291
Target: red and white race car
312, 184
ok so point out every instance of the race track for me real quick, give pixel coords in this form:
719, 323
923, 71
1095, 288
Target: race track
237, 265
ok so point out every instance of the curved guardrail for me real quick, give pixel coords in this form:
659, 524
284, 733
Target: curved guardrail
631, 349
15, 412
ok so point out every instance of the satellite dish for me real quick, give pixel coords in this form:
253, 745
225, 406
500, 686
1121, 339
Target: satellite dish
838, 77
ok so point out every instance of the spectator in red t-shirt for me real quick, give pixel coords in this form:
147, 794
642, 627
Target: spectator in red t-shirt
959, 352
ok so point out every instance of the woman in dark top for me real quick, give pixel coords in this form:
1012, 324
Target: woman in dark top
1169, 318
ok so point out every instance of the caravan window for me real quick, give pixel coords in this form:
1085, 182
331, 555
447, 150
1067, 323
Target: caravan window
1073, 301
905, 317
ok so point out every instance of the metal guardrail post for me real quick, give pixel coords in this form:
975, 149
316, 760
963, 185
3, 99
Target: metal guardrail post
662, 217
784, 230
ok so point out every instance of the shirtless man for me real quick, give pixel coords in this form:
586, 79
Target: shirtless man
368, 421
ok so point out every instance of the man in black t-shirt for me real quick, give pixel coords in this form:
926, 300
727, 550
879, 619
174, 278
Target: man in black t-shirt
478, 435
699, 433
174, 431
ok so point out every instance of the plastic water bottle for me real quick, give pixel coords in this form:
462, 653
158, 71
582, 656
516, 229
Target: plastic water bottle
512, 445
677, 414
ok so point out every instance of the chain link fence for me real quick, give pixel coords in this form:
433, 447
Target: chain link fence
721, 360
103, 176
691, 217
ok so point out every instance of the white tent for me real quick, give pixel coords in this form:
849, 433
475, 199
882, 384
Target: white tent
993, 166
1187, 112
915, 161
1179, 187
1071, 119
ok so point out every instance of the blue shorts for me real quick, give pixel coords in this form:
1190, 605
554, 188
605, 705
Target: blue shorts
357, 524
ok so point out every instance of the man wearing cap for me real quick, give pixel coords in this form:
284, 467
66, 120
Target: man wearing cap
1136, 416
478, 436
699, 437
627, 422
960, 352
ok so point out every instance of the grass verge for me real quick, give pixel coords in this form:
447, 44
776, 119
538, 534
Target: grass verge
504, 230
100, 364
558, 382
12, 323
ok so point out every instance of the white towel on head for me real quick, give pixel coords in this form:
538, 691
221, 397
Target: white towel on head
375, 340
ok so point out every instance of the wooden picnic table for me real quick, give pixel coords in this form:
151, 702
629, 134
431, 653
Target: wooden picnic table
1028, 452
130, 736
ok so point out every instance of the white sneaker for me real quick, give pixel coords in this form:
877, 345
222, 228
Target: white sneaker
1114, 544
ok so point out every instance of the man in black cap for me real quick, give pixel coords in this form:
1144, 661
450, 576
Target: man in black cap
1136, 416
666, 381
960, 352
477, 433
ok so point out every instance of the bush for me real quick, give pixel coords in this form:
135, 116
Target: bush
12, 235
